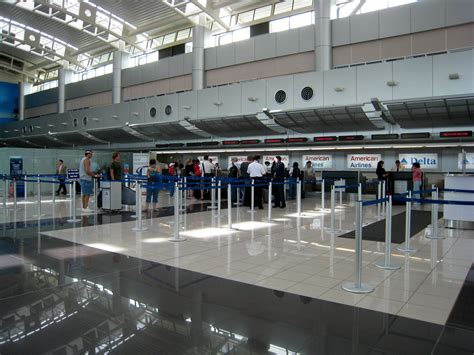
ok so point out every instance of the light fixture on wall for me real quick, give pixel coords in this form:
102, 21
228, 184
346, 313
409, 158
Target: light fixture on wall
16, 130
392, 83
339, 89
252, 99
454, 76
95, 119
50, 125
186, 107
218, 103
38, 127
5, 131
64, 123
136, 114
114, 116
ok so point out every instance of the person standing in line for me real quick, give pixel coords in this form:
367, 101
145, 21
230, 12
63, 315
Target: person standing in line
279, 178
244, 175
381, 173
115, 170
309, 179
189, 171
295, 173
85, 176
233, 174
61, 173
153, 174
417, 179
208, 171
257, 171
197, 172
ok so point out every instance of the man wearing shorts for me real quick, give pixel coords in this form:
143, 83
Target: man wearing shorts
85, 176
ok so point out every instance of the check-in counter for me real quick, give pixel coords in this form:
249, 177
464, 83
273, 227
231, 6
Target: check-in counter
349, 177
459, 216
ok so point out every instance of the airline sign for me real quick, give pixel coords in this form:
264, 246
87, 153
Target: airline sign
212, 158
426, 160
319, 161
363, 161
285, 159
469, 161
240, 159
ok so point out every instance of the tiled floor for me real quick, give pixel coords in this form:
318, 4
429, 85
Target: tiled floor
299, 255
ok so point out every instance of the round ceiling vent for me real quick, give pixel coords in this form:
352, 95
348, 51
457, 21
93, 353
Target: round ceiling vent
307, 93
168, 110
153, 112
280, 96
31, 129
84, 121
74, 122
23, 130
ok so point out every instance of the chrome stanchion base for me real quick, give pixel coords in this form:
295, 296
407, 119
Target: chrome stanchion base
138, 229
406, 250
388, 267
179, 239
352, 287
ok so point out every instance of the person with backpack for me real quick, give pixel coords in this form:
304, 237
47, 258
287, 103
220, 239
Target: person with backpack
244, 175
295, 174
233, 174
208, 170
154, 176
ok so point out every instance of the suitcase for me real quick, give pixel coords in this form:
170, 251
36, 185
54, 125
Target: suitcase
128, 196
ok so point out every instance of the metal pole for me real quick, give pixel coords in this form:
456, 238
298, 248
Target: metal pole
72, 205
387, 263
53, 190
340, 192
94, 180
298, 197
219, 196
252, 196
359, 192
229, 205
357, 286
25, 188
138, 222
379, 194
14, 194
38, 196
270, 200
183, 195
406, 248
323, 191
434, 216
333, 207
213, 194
383, 196
5, 192
137, 198
176, 237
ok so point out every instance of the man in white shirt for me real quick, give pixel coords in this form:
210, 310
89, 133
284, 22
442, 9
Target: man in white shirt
257, 171
207, 170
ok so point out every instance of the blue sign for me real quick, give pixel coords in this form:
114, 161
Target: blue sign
72, 174
16, 170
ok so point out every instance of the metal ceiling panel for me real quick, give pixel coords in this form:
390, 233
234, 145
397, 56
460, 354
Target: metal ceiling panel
21, 54
433, 113
239, 126
166, 131
47, 141
116, 135
18, 143
76, 138
338, 119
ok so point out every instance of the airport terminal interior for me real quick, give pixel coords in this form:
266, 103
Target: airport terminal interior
237, 177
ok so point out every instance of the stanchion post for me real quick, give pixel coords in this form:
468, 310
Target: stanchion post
252, 196
72, 204
359, 192
434, 216
323, 191
387, 263
379, 196
138, 222
229, 205
5, 192
94, 180
25, 187
183, 194
340, 192
14, 194
219, 196
53, 190
333, 207
298, 197
270, 204
38, 196
357, 286
137, 198
407, 248
176, 236
213, 193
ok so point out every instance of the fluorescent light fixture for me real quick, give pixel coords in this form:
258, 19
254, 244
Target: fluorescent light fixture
154, 240
249, 226
114, 116
208, 233
275, 111
136, 114
106, 247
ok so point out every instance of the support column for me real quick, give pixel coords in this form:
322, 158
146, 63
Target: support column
323, 48
120, 62
25, 88
64, 78
199, 37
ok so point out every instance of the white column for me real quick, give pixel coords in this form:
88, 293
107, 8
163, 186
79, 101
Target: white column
117, 78
25, 88
199, 35
64, 78
323, 47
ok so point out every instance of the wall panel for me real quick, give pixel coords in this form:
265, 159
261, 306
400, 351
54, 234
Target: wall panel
341, 31
461, 63
287, 43
372, 82
41, 110
365, 27
187, 105
365, 52
429, 42
342, 78
427, 15
460, 36
206, 100
459, 11
395, 21
244, 51
257, 92
230, 99
284, 83
315, 81
265, 46
414, 78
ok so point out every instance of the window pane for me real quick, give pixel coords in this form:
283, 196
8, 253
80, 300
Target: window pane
188, 47
392, 3
246, 16
242, 34
152, 57
301, 20
263, 12
280, 25
183, 34
169, 38
109, 68
225, 38
282, 7
298, 4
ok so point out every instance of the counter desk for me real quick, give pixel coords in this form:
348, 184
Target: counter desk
459, 216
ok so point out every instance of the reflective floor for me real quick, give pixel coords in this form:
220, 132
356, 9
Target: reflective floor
261, 287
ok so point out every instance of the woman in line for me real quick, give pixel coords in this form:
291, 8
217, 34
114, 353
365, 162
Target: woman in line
154, 176
189, 171
381, 173
417, 179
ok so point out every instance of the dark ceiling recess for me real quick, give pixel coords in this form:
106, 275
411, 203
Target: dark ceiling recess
280, 96
307, 93
260, 29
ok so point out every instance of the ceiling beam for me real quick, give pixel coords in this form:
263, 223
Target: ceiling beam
211, 14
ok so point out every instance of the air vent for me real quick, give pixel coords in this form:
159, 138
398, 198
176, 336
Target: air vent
307, 93
23, 130
168, 110
280, 96
74, 122
31, 129
153, 112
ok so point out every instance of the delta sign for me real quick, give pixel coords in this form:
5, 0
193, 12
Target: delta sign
363, 161
426, 160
